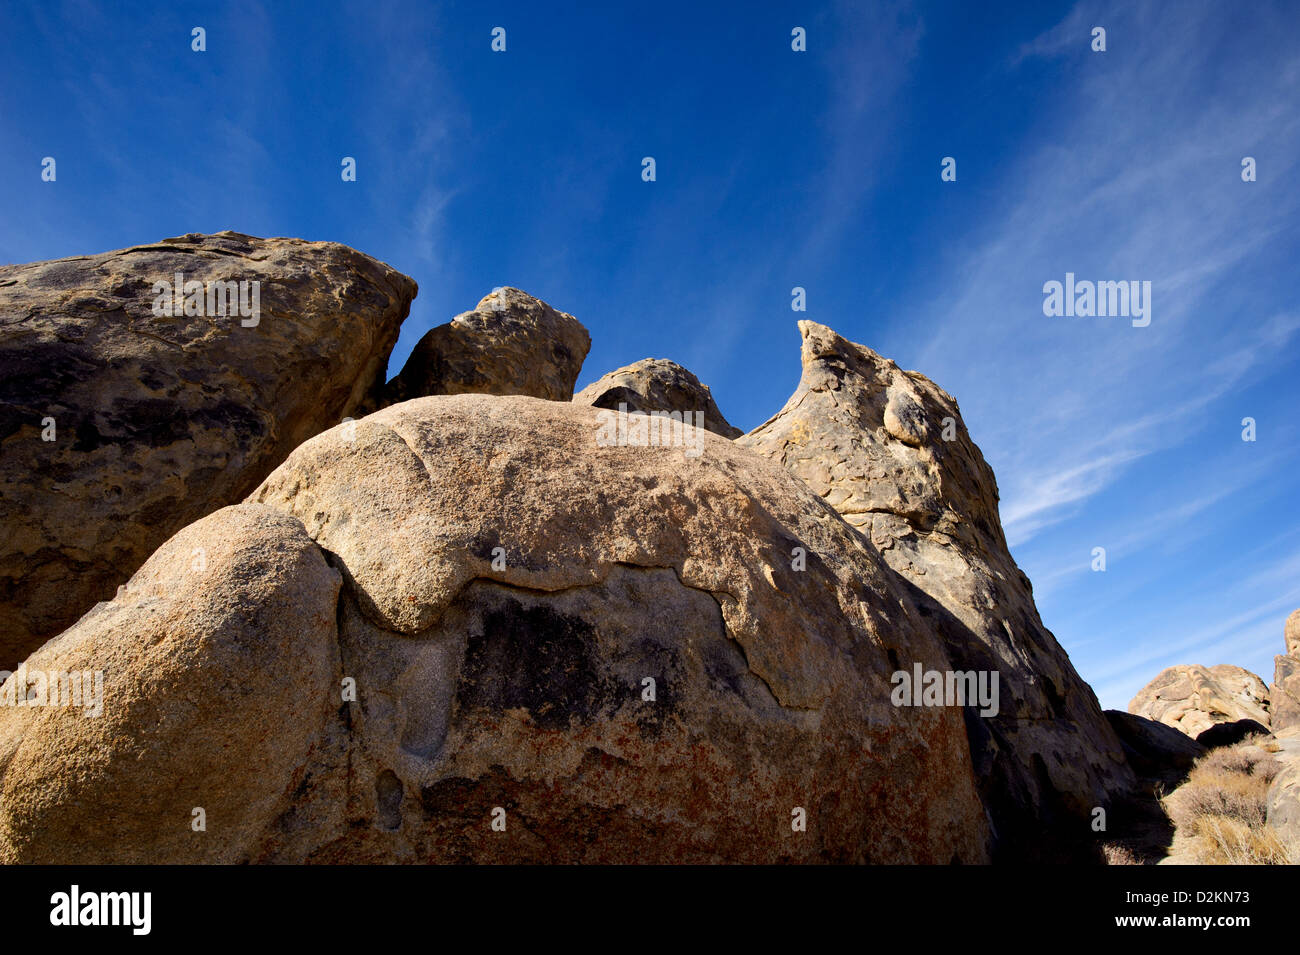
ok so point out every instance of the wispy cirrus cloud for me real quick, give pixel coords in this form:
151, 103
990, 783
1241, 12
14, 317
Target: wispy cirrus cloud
1134, 175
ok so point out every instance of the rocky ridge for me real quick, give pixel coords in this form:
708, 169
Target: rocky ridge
471, 605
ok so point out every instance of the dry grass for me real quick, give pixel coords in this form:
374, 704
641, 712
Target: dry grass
1225, 841
1220, 812
1211, 792
1119, 854
1246, 758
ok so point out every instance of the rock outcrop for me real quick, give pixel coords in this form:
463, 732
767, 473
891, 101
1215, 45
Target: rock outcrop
1216, 705
215, 667
119, 426
1283, 810
618, 653
1284, 694
511, 344
889, 451
1157, 753
656, 384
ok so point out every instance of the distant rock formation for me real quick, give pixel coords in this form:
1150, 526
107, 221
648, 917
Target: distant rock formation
127, 412
888, 450
1216, 705
656, 384
1228, 709
511, 344
630, 656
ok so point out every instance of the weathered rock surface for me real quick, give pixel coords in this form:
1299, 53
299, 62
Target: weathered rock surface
521, 686
160, 420
511, 344
218, 660
1284, 804
509, 589
888, 450
1284, 793
1225, 701
1284, 694
656, 384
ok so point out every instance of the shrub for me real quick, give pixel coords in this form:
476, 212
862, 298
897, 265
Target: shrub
1221, 811
1119, 854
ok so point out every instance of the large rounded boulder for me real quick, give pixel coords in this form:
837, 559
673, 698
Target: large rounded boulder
657, 385
476, 629
173, 723
566, 648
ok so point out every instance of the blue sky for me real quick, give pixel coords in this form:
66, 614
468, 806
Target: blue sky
776, 169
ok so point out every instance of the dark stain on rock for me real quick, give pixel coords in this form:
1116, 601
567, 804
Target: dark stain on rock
539, 660
468, 802
388, 800
665, 667
725, 667
158, 423
40, 373
345, 717
484, 543
447, 797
